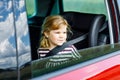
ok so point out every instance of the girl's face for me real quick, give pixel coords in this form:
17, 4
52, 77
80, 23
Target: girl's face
57, 37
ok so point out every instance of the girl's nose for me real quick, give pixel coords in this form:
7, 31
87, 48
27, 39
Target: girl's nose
62, 35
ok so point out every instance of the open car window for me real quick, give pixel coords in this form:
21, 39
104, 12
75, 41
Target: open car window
89, 55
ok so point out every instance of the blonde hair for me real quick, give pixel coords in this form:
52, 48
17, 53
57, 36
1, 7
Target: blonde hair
51, 23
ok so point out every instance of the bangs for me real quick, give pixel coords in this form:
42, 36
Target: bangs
57, 24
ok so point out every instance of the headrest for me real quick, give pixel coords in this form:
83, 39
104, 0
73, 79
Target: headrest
81, 21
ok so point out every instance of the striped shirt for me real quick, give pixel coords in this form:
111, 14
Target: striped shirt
69, 53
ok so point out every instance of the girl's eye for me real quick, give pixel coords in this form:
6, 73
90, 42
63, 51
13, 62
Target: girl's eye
60, 32
57, 32
65, 32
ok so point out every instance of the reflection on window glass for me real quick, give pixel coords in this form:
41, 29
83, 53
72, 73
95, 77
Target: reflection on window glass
88, 6
7, 36
31, 7
39, 66
22, 33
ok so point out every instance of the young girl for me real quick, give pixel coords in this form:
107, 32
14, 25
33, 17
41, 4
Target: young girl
54, 33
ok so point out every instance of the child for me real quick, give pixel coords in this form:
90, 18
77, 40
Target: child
54, 33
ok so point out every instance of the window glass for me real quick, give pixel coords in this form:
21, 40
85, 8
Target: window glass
31, 7
7, 36
87, 6
40, 67
8, 61
22, 37
22, 33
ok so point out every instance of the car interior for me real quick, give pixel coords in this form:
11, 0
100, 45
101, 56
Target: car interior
95, 25
83, 23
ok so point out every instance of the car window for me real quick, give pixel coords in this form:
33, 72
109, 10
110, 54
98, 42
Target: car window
39, 67
85, 6
15, 50
22, 36
8, 50
31, 8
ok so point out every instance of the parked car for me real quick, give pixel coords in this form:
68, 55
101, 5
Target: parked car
97, 21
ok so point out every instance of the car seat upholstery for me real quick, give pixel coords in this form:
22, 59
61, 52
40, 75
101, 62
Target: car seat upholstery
82, 23
35, 31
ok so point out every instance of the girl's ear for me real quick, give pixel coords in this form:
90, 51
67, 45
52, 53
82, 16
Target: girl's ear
46, 34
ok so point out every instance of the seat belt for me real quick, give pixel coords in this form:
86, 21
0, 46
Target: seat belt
57, 49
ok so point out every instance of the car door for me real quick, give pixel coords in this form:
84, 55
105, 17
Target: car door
97, 61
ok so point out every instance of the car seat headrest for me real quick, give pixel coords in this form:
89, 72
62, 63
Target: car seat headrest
80, 21
85, 23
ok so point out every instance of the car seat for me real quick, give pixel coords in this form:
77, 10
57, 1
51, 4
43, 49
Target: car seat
85, 23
